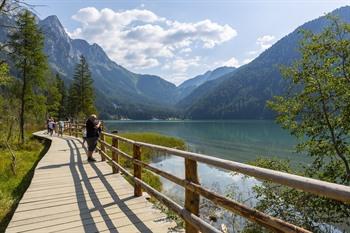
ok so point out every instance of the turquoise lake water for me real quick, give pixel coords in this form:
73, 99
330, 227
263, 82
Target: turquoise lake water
240, 141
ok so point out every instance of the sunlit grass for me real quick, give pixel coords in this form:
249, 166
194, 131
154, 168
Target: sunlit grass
12, 186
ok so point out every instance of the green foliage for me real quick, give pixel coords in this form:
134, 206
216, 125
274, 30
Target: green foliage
9, 103
54, 97
13, 186
317, 104
316, 109
26, 48
63, 105
4, 74
81, 93
300, 208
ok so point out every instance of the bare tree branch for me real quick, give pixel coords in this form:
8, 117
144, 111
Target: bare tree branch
2, 5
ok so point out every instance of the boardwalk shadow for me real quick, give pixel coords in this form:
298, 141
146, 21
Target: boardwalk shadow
137, 222
54, 166
76, 165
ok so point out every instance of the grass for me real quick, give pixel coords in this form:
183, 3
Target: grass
147, 154
152, 138
13, 186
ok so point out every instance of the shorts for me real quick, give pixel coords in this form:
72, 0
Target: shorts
92, 143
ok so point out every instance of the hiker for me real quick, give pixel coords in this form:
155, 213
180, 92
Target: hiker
93, 128
47, 125
51, 126
60, 128
54, 126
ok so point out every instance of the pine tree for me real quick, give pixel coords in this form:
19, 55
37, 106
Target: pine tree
81, 92
26, 45
62, 111
53, 97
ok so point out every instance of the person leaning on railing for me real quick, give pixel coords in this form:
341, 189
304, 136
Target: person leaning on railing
93, 129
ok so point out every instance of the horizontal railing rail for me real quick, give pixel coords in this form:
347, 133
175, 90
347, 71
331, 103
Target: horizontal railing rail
193, 189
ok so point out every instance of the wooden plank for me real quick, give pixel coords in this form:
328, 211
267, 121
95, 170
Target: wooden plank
87, 197
197, 222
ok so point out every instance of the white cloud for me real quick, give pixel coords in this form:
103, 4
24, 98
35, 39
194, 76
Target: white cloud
179, 66
185, 50
140, 39
86, 15
265, 42
233, 62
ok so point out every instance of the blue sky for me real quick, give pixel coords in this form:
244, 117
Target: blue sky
180, 39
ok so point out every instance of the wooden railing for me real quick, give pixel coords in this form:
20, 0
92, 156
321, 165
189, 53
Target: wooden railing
193, 188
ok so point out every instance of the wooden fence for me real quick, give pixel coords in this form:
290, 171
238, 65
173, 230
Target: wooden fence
193, 188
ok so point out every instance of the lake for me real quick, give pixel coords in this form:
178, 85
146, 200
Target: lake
236, 140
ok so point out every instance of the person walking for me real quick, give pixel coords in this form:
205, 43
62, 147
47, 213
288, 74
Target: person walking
93, 129
55, 126
60, 128
47, 125
51, 126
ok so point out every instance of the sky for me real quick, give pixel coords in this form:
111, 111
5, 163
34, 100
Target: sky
178, 40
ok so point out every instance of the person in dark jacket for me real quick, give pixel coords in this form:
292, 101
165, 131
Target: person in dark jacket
93, 129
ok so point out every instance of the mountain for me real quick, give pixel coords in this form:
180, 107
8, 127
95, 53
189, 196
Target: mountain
243, 94
133, 95
118, 91
201, 91
191, 84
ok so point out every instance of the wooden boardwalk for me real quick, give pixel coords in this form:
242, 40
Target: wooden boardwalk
68, 194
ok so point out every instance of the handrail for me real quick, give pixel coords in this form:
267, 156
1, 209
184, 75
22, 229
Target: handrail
317, 187
193, 188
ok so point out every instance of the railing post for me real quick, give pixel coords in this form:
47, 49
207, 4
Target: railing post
115, 156
103, 149
137, 170
70, 128
76, 130
191, 198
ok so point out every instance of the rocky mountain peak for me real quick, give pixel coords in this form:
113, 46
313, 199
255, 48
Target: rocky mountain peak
52, 24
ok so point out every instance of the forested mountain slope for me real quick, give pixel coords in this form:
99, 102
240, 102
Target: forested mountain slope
243, 95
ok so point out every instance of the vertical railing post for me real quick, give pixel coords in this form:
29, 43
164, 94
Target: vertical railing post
76, 130
70, 128
102, 146
191, 198
115, 156
137, 170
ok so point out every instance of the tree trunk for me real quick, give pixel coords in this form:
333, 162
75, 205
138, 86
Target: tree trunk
21, 117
